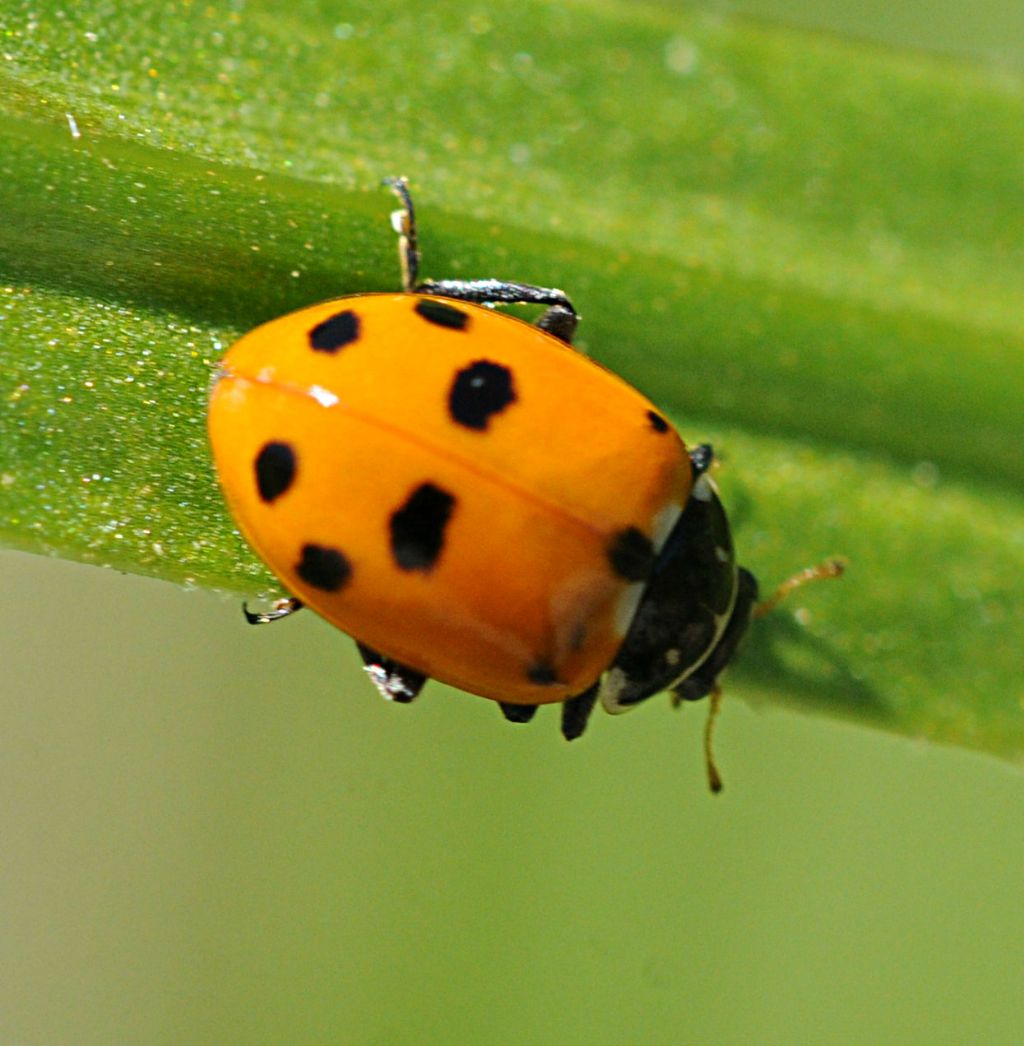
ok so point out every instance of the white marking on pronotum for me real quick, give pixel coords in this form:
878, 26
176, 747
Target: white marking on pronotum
664, 521
612, 684
721, 621
625, 607
703, 489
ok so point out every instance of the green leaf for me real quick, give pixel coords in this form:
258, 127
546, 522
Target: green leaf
810, 251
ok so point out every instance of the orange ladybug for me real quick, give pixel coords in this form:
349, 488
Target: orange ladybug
474, 500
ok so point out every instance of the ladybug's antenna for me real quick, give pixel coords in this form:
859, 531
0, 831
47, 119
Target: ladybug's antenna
404, 223
714, 777
834, 567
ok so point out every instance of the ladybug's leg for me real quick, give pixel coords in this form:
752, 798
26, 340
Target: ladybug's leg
281, 608
395, 681
576, 712
404, 223
517, 713
560, 318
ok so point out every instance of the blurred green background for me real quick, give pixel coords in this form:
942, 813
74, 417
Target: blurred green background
216, 834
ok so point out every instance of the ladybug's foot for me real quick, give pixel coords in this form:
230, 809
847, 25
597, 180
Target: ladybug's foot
393, 680
834, 567
576, 712
279, 609
560, 320
517, 713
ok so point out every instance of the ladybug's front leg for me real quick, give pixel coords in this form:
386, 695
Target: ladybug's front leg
282, 608
576, 712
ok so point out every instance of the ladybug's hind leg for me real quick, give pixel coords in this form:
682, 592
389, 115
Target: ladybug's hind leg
394, 681
560, 319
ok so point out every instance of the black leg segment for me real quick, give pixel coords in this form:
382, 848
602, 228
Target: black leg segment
281, 608
394, 681
576, 712
496, 292
517, 713
560, 319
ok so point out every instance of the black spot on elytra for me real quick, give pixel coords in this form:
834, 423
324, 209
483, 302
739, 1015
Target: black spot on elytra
478, 392
443, 314
631, 554
417, 528
658, 423
335, 332
541, 673
275, 467
325, 568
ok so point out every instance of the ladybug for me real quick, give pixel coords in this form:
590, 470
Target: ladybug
474, 500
